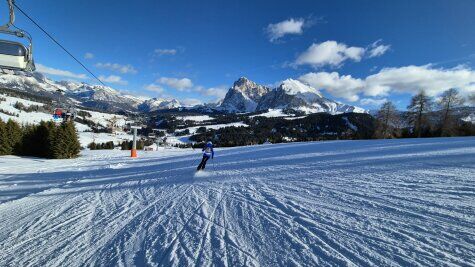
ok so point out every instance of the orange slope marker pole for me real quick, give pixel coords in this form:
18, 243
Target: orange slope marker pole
133, 152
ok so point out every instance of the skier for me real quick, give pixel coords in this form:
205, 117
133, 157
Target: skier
208, 152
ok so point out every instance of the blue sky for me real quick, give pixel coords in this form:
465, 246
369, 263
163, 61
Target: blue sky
358, 52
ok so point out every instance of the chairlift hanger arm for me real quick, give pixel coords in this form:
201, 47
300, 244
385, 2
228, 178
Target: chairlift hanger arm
11, 19
13, 61
11, 23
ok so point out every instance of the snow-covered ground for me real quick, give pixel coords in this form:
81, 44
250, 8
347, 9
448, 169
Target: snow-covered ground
85, 138
105, 118
185, 139
195, 118
23, 117
470, 118
217, 126
272, 113
379, 202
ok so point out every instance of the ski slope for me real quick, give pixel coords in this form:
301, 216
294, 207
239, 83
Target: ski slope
378, 202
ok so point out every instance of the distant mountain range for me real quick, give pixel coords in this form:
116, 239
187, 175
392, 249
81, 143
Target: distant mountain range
247, 96
243, 97
82, 94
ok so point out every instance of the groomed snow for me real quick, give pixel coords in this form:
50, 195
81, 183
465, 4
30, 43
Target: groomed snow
380, 202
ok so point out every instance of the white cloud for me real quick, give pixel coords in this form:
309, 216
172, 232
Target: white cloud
216, 92
64, 73
343, 86
154, 88
88, 55
112, 79
408, 79
191, 102
334, 54
124, 69
411, 79
373, 102
186, 85
162, 52
329, 53
377, 49
178, 84
289, 26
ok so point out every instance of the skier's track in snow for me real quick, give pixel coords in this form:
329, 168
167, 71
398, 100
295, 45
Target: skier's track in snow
382, 202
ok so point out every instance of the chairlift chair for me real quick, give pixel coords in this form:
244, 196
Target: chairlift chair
70, 114
58, 115
15, 55
62, 115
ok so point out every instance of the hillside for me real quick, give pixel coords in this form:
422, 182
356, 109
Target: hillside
26, 108
381, 202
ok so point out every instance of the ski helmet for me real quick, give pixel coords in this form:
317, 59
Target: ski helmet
209, 143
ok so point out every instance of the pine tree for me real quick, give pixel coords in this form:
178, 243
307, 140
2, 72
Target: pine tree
73, 147
13, 137
37, 140
65, 143
387, 121
92, 146
4, 143
420, 105
110, 145
449, 100
28, 142
125, 145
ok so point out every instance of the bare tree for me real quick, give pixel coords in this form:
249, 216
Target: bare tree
388, 121
449, 100
420, 105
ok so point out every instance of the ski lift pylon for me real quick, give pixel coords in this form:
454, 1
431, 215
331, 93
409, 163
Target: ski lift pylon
15, 55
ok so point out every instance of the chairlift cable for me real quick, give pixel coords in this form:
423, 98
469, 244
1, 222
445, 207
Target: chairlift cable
54, 40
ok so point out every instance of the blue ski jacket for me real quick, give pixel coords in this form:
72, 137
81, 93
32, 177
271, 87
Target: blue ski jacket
208, 150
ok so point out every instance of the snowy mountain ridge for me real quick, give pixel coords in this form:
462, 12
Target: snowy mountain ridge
294, 87
155, 104
247, 96
95, 96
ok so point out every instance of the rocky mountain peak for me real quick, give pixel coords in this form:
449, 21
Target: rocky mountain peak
243, 96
